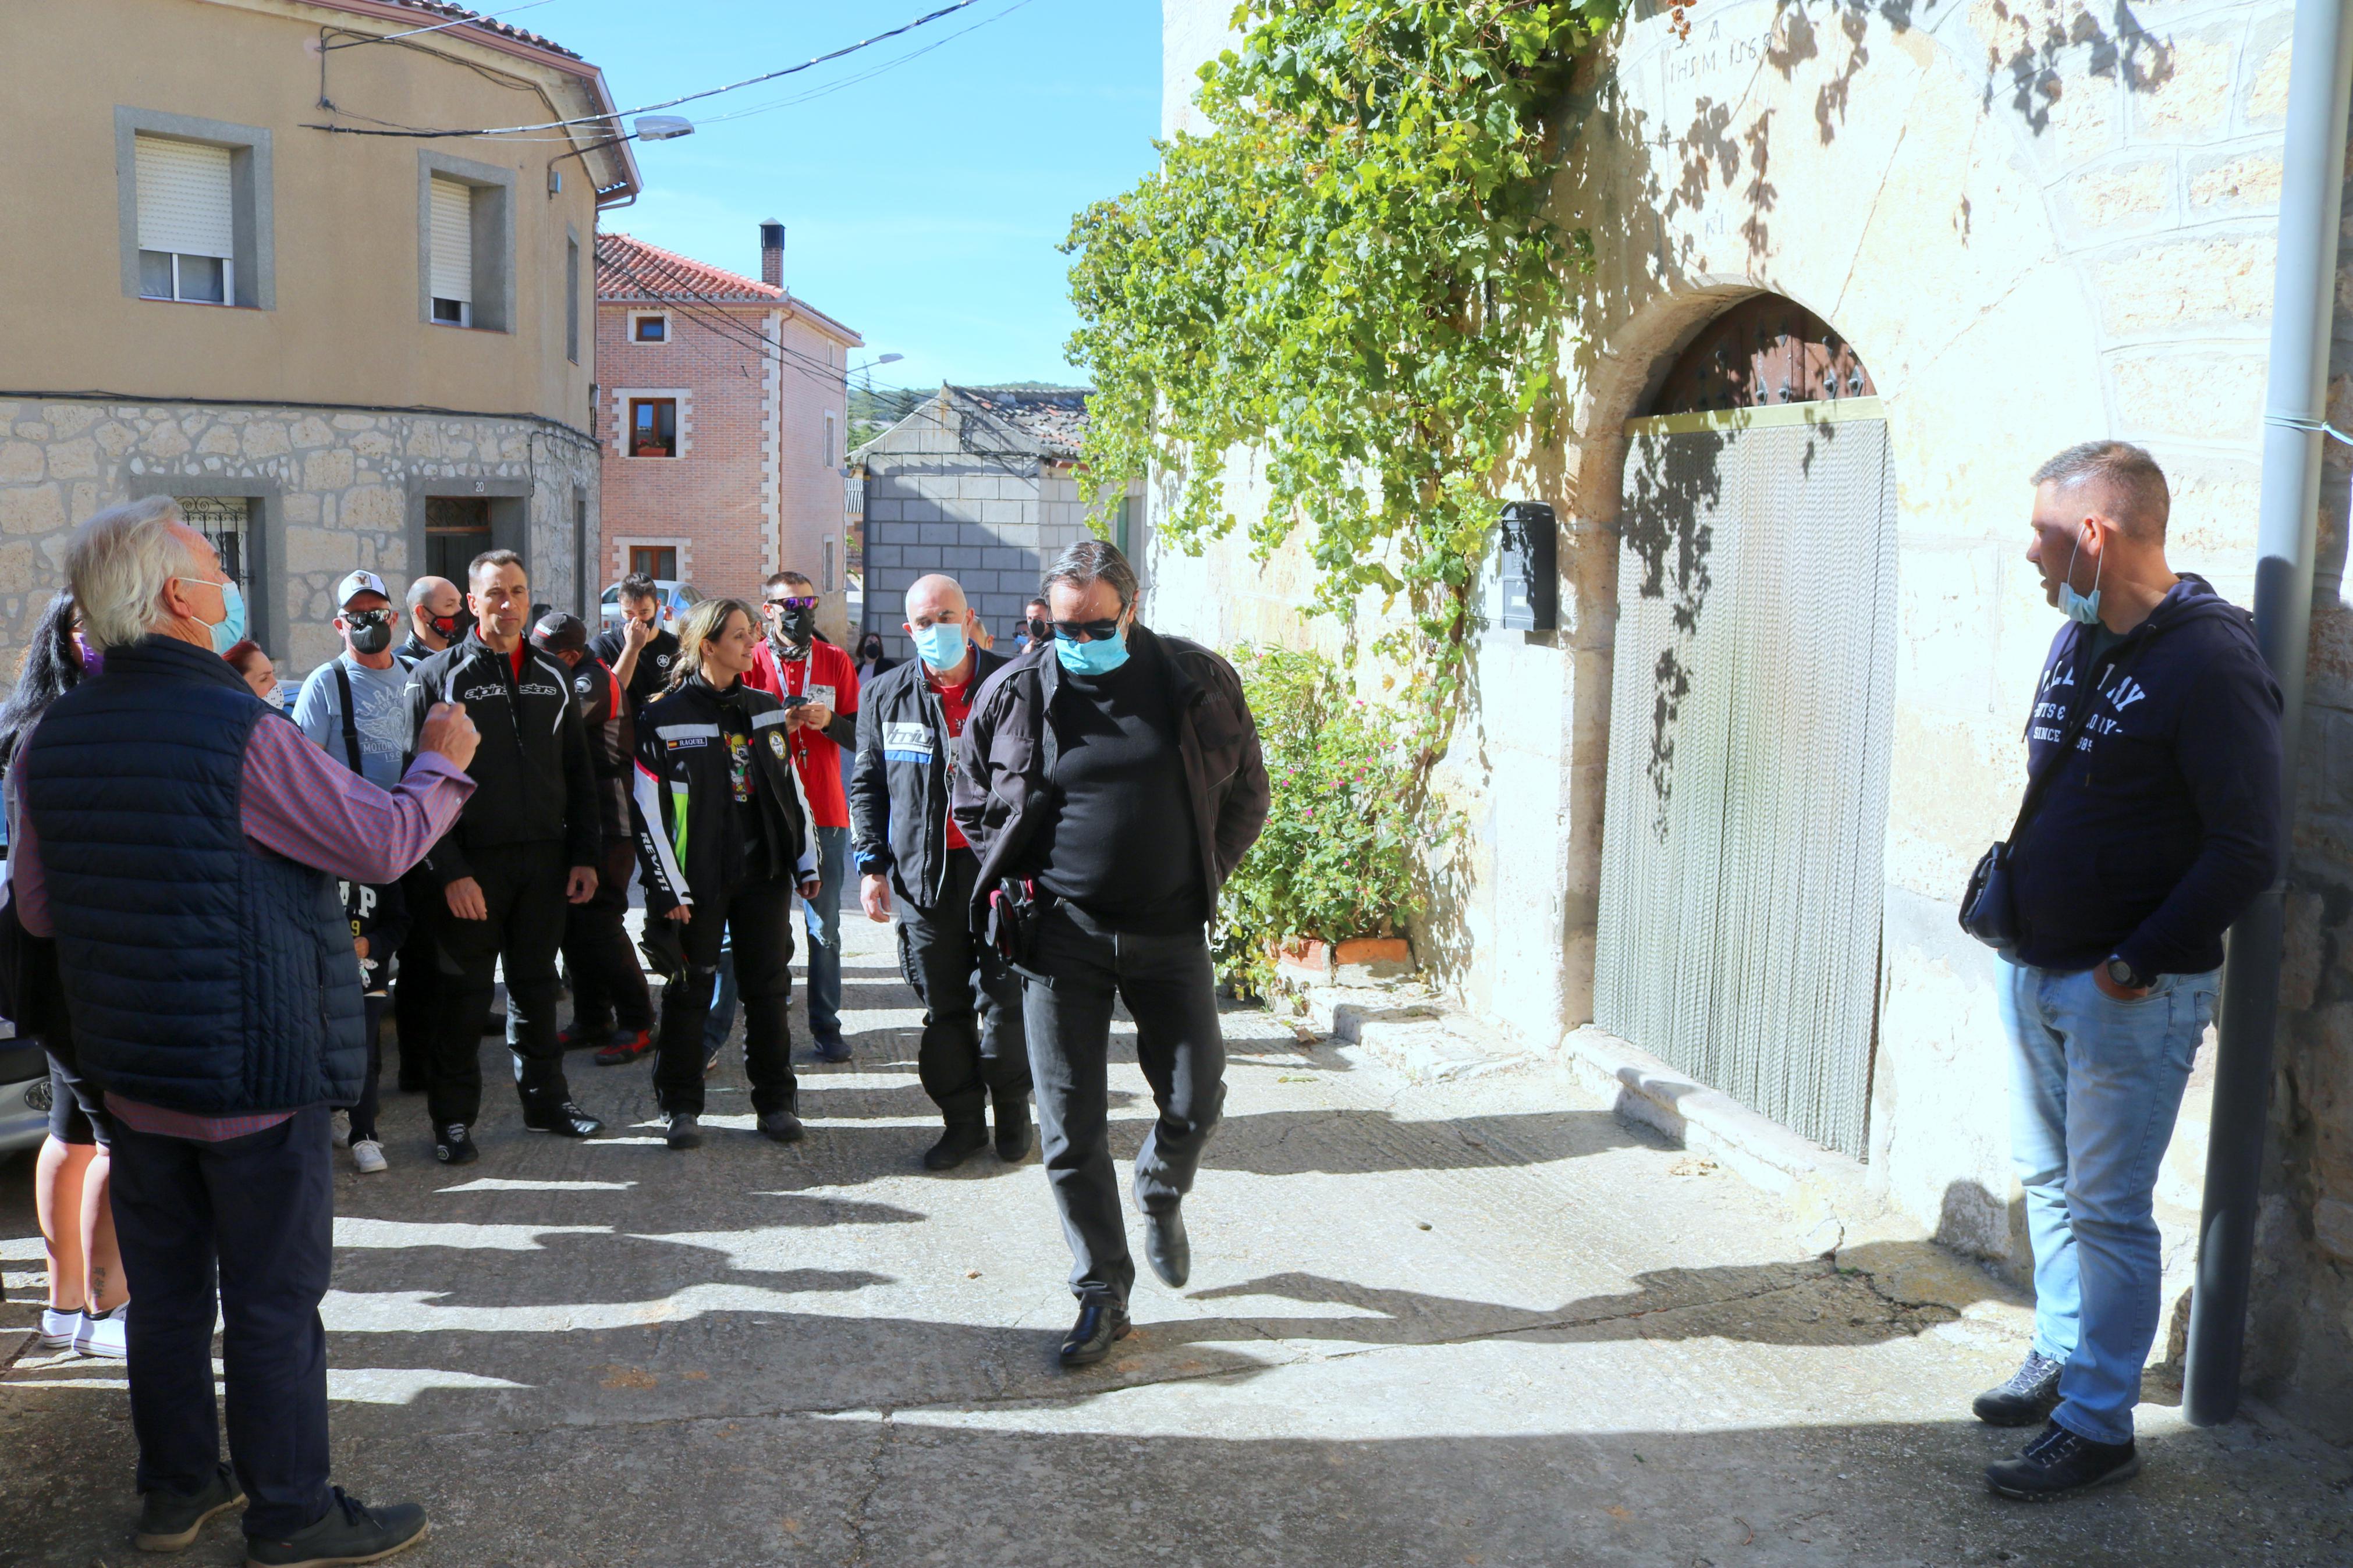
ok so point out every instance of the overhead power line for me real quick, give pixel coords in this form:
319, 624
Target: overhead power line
423, 133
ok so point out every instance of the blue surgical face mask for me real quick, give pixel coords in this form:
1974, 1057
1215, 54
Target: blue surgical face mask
1092, 657
2083, 608
939, 646
229, 630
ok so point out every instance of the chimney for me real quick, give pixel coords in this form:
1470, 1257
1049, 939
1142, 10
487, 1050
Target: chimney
772, 253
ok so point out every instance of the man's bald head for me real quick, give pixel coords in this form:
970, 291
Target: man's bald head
436, 595
936, 597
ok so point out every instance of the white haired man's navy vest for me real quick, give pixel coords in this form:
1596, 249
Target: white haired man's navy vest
203, 973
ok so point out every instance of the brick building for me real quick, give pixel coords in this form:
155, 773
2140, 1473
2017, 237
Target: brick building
721, 413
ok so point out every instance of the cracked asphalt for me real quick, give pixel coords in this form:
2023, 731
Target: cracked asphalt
1474, 1322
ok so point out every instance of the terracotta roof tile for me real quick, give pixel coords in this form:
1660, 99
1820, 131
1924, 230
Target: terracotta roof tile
442, 11
1054, 417
629, 268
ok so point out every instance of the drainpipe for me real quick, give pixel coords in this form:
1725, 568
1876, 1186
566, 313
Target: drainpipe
2294, 410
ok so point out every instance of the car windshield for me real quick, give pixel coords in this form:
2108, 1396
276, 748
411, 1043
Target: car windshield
612, 595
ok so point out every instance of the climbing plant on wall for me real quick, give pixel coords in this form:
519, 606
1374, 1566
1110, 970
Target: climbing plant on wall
1357, 275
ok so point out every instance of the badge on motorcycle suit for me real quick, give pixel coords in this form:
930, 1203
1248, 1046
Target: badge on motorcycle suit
776, 743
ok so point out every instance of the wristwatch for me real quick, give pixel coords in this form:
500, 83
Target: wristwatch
2125, 977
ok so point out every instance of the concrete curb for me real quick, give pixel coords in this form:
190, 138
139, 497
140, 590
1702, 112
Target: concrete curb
1831, 1193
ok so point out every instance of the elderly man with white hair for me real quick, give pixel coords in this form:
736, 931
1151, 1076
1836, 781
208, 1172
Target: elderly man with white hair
972, 1050
183, 842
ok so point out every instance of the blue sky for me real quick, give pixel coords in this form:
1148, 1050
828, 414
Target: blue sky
922, 206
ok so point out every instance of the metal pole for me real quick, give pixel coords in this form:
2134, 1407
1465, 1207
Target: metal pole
2311, 204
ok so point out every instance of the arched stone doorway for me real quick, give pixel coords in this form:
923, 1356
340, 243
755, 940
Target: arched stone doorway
1751, 715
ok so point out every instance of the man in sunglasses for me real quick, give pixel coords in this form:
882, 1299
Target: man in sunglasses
1037, 624
1109, 782
794, 662
355, 708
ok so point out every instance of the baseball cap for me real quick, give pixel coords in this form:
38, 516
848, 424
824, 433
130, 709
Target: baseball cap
359, 583
559, 633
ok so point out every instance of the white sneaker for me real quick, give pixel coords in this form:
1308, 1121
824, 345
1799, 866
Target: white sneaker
59, 1329
342, 1120
106, 1335
367, 1157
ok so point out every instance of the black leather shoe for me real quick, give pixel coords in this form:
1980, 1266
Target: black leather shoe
1013, 1133
170, 1522
1167, 1248
2059, 1464
1101, 1322
563, 1119
685, 1130
961, 1141
2031, 1395
352, 1532
455, 1146
783, 1126
829, 1051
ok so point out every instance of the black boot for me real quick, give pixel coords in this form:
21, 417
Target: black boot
2031, 1395
352, 1532
455, 1146
562, 1118
961, 1140
1013, 1131
170, 1522
1101, 1322
2059, 1464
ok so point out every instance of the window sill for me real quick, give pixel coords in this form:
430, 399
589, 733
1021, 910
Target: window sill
204, 304
653, 457
465, 327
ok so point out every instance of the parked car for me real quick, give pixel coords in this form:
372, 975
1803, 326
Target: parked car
676, 599
24, 1091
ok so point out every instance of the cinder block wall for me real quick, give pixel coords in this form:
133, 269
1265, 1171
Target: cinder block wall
991, 522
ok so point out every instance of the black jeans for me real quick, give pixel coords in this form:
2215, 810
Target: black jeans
523, 888
757, 917
972, 1044
249, 1224
608, 986
1166, 983
417, 980
365, 1107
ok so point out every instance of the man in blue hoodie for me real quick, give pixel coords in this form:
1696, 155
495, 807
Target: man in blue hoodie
2160, 825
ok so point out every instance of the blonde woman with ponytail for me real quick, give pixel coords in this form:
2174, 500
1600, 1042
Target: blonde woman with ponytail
726, 839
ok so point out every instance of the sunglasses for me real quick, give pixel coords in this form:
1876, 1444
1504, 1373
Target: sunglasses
1087, 631
789, 604
368, 617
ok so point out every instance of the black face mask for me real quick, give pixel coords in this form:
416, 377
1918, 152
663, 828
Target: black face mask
872, 648
449, 628
794, 625
371, 634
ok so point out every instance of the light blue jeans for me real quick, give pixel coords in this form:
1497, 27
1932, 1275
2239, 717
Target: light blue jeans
2095, 1085
823, 922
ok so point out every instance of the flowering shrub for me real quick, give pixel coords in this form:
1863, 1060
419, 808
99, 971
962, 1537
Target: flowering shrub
1333, 860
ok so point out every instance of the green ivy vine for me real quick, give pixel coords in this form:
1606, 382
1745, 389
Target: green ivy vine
1357, 276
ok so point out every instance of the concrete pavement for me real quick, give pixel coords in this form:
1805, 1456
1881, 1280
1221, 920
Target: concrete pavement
1476, 1323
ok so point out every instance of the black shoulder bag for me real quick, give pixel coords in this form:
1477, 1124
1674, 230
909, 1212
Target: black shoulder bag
350, 718
1990, 907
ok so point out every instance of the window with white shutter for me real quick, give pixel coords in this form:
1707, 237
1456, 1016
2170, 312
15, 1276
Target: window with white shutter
187, 221
451, 218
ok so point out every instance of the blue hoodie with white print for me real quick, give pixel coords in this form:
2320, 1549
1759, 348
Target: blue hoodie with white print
2167, 822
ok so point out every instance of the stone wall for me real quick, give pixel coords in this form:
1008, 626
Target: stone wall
329, 490
2038, 221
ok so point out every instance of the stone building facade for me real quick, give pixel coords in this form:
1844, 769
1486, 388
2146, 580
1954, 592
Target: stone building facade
722, 412
310, 494
2036, 222
982, 483
351, 395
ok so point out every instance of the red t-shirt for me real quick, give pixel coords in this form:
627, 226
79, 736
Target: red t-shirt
521, 650
955, 705
828, 676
